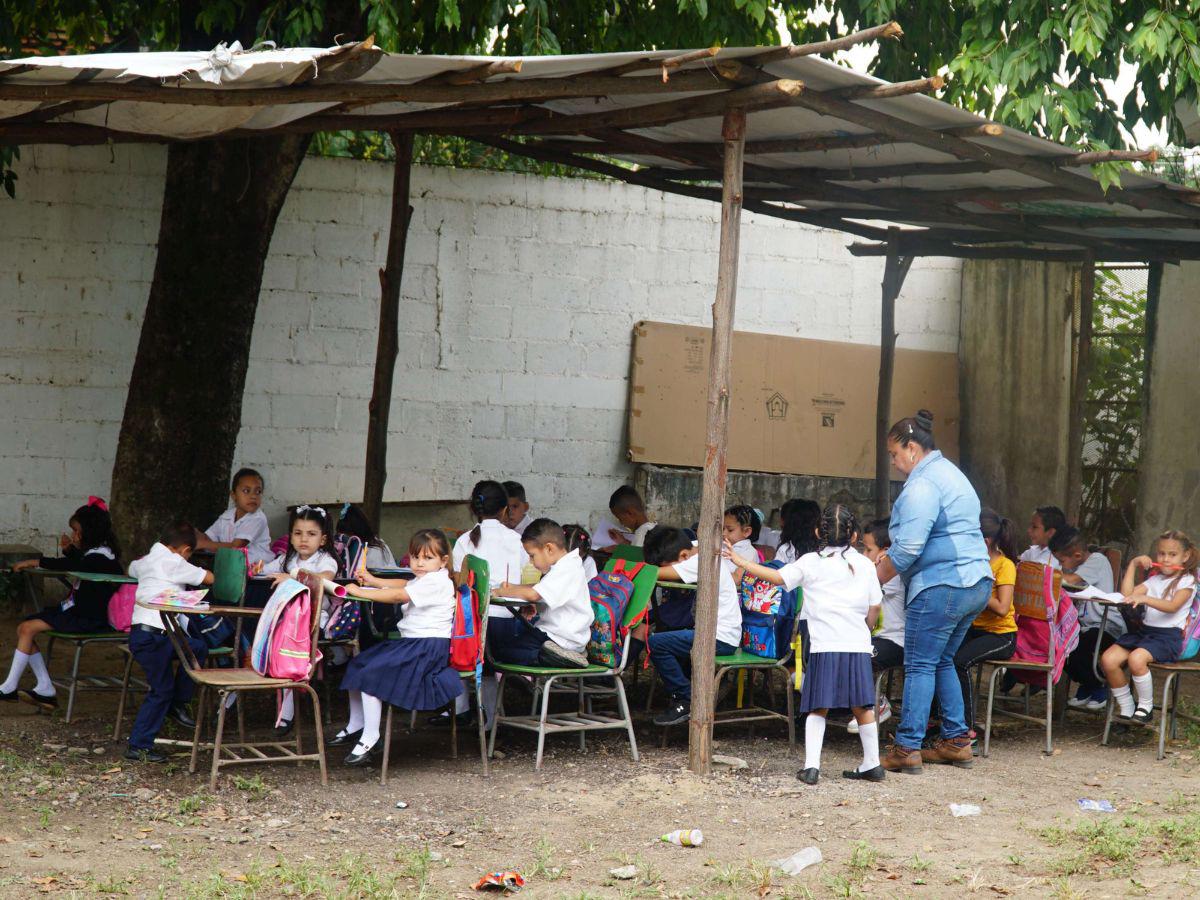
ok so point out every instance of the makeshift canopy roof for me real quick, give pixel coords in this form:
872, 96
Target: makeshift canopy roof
825, 144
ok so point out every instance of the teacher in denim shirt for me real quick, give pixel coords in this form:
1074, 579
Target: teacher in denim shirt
938, 550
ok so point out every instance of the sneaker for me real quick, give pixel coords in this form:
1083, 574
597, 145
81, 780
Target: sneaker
676, 714
153, 756
560, 655
1081, 698
1097, 702
883, 712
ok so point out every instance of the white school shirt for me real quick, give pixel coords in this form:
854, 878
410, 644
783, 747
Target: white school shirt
520, 527
639, 536
500, 547
786, 553
729, 608
161, 570
380, 556
893, 612
840, 585
565, 609
1040, 555
1097, 571
1156, 587
252, 528
589, 568
318, 562
429, 612
746, 550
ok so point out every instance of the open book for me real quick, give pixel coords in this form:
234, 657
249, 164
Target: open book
183, 599
1091, 592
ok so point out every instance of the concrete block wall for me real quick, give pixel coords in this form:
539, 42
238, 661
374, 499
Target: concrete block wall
518, 298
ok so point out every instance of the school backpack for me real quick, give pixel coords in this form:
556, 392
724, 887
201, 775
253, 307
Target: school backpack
1045, 615
120, 607
1191, 629
282, 645
610, 594
351, 554
768, 615
466, 637
345, 614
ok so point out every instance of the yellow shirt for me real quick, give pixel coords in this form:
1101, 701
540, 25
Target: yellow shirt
1003, 572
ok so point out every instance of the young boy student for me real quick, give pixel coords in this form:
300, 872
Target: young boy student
1080, 566
630, 512
516, 514
164, 568
553, 630
674, 553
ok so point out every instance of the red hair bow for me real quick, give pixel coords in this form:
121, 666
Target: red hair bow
97, 502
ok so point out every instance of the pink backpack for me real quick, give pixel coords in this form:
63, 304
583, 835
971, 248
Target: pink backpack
282, 645
120, 607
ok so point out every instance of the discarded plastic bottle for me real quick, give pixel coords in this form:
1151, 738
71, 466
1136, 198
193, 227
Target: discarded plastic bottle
799, 861
685, 837
958, 810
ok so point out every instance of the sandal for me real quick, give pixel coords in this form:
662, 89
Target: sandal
1142, 714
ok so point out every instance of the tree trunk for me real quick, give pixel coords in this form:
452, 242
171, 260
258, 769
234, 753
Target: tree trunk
184, 407
1079, 386
716, 470
387, 343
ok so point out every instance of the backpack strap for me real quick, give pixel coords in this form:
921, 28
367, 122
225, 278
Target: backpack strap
632, 571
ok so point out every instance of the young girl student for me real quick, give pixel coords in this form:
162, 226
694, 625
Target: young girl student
842, 597
310, 538
412, 672
1166, 595
740, 528
578, 539
801, 519
90, 546
993, 634
500, 547
353, 521
243, 524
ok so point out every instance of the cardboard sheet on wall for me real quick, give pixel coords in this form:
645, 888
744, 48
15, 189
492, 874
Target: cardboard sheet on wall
798, 406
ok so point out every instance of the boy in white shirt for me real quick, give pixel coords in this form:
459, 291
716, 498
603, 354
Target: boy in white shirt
164, 568
675, 555
1080, 566
244, 524
516, 514
630, 512
560, 602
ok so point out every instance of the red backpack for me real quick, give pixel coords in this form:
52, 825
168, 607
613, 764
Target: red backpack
466, 639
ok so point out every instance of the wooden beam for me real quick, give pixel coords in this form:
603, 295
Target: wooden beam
386, 348
1079, 386
1103, 156
929, 247
835, 140
894, 272
887, 31
475, 74
664, 63
894, 89
716, 468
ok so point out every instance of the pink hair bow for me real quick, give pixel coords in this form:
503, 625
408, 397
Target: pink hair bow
97, 502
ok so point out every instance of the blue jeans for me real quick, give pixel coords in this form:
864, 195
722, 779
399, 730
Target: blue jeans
934, 625
515, 641
669, 650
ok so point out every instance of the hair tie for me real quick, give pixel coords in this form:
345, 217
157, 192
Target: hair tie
319, 510
345, 509
97, 502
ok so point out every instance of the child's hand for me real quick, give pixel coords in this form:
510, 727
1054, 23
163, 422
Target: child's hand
366, 578
278, 579
257, 568
527, 612
505, 588
728, 553
65, 542
1135, 600
1141, 562
25, 564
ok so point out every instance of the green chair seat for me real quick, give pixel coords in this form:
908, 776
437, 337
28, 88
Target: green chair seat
86, 636
514, 669
745, 659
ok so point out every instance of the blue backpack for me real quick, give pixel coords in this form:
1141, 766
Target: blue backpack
610, 593
768, 615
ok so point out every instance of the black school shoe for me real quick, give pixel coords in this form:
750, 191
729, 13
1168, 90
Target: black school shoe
676, 714
442, 720
284, 728
876, 774
345, 738
42, 701
152, 756
182, 716
355, 760
8, 696
810, 776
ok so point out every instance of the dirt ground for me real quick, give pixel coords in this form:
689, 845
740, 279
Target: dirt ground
81, 821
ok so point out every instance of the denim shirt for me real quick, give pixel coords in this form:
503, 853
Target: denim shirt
935, 529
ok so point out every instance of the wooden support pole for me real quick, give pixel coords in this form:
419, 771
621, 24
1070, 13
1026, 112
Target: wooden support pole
1079, 385
386, 347
894, 272
712, 495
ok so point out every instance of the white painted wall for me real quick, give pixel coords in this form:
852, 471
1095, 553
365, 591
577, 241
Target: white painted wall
518, 298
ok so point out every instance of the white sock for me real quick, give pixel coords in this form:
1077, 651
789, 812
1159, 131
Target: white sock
1143, 688
287, 708
372, 712
356, 712
44, 685
814, 737
869, 736
230, 699
491, 695
1123, 698
19, 662
462, 704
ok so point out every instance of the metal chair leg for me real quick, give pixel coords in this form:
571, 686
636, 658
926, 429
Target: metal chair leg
216, 759
124, 695
997, 674
198, 733
296, 723
1049, 713
496, 716
1163, 716
453, 731
483, 751
537, 765
623, 706
582, 705
387, 746
1108, 717
74, 681
319, 727
789, 696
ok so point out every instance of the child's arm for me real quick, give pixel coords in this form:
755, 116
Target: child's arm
204, 542
395, 594
1001, 600
766, 573
1127, 582
873, 616
517, 592
208, 578
1171, 604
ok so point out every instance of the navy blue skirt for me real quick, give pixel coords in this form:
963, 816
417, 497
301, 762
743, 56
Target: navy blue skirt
1163, 644
837, 681
66, 621
412, 673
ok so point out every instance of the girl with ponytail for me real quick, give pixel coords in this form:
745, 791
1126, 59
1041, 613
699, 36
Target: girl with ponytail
993, 634
841, 605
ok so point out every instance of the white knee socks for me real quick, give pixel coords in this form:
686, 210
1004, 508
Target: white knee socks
814, 737
37, 663
372, 712
869, 735
1123, 698
356, 712
287, 708
1143, 687
19, 662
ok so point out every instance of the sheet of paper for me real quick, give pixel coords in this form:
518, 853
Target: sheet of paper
1094, 593
608, 533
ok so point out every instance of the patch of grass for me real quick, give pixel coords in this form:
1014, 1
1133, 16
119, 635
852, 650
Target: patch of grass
842, 886
543, 861
1064, 890
45, 814
862, 857
751, 878
255, 787
415, 865
1178, 802
917, 864
849, 883
189, 806
112, 885
353, 878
